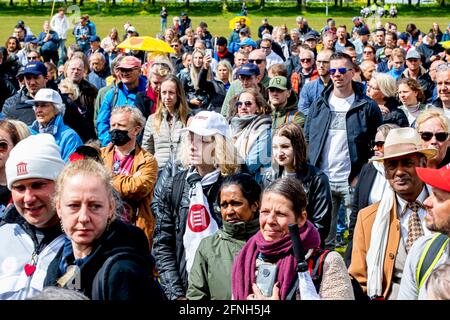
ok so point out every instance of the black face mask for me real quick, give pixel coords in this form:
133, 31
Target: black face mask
119, 137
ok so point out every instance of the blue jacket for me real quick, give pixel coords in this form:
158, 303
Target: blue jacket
66, 138
362, 120
309, 93
119, 96
50, 45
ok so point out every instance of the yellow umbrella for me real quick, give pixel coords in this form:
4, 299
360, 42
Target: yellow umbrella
445, 44
146, 44
238, 19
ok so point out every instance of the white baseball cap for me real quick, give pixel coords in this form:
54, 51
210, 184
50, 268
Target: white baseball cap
208, 123
49, 95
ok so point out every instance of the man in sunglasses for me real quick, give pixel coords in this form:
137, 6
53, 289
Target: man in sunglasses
266, 47
339, 127
305, 72
123, 94
251, 74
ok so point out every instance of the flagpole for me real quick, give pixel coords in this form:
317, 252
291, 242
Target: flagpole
53, 8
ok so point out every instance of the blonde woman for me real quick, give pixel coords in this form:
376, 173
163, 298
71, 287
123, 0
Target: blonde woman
197, 97
432, 126
111, 259
67, 86
208, 156
162, 134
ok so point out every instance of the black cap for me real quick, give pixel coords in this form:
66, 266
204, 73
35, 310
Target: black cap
221, 41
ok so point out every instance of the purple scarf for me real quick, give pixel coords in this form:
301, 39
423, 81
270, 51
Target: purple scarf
244, 266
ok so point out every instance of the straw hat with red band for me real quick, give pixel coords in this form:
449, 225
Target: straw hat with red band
403, 141
437, 178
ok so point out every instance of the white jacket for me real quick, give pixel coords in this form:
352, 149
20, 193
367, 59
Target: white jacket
16, 249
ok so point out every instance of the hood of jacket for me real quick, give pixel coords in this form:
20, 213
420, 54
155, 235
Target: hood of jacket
241, 230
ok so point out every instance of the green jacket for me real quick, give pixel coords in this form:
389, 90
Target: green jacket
210, 276
288, 114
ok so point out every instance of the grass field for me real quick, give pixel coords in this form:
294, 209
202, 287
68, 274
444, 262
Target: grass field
149, 24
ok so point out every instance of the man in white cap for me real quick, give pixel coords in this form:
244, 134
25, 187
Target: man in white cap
188, 209
30, 231
386, 230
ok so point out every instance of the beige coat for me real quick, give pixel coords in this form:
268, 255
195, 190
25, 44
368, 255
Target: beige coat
361, 244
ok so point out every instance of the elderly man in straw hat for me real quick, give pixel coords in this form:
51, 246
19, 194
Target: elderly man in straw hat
386, 230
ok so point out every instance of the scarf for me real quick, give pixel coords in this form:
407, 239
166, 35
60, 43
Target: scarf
247, 129
244, 266
152, 95
222, 55
199, 223
378, 243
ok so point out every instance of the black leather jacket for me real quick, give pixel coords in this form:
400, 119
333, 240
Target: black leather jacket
317, 188
171, 219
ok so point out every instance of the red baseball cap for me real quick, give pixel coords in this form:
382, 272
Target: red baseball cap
129, 62
437, 178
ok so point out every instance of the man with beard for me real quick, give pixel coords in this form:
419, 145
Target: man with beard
312, 90
438, 220
386, 230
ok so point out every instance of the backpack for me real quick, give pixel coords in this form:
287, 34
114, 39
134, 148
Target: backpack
430, 256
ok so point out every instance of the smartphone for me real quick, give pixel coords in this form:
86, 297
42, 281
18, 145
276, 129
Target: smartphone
209, 52
266, 278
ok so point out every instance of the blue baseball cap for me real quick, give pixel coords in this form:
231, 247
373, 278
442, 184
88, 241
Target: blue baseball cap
35, 68
248, 69
31, 39
247, 42
94, 38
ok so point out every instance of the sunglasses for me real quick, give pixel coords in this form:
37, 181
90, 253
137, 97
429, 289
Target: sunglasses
258, 61
125, 70
174, 46
378, 144
246, 103
341, 70
4, 146
440, 136
306, 60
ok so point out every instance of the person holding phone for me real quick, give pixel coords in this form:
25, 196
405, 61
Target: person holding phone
270, 251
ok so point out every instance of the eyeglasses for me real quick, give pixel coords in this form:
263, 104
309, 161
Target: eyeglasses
372, 88
33, 58
440, 136
257, 61
4, 146
306, 60
341, 70
125, 70
378, 144
247, 103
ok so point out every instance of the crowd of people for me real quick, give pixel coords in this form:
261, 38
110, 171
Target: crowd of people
132, 175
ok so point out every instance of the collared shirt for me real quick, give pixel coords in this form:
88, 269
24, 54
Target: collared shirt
401, 205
